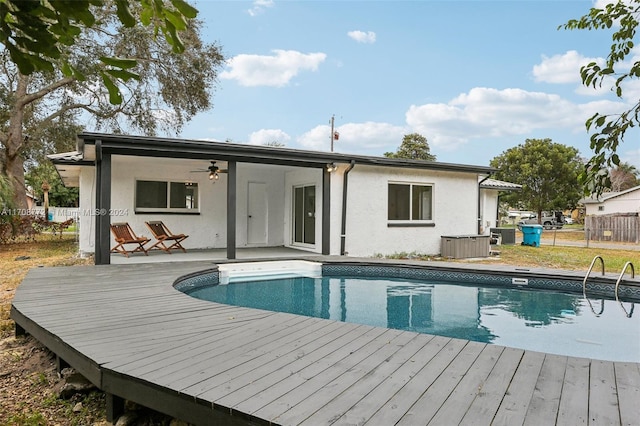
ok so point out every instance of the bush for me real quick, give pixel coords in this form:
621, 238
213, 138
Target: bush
21, 227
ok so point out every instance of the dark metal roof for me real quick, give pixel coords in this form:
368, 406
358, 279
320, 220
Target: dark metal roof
200, 149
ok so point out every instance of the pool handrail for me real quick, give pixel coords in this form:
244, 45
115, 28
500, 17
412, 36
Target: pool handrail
633, 274
584, 284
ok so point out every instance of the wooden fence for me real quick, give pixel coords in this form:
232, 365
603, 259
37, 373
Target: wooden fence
622, 227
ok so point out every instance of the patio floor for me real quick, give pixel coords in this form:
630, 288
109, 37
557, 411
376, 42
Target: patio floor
126, 329
213, 255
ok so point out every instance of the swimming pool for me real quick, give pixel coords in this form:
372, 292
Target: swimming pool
534, 319
541, 314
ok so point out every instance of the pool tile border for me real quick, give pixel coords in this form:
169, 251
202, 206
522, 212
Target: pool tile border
595, 287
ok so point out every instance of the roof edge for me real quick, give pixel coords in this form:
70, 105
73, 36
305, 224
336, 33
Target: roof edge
168, 147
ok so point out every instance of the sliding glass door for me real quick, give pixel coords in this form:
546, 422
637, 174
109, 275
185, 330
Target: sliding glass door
304, 214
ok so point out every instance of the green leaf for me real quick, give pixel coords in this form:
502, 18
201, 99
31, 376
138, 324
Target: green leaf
176, 19
172, 38
78, 75
115, 97
146, 14
66, 69
185, 8
123, 75
124, 14
615, 159
122, 63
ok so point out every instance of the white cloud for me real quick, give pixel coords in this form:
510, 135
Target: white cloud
563, 68
492, 113
259, 6
363, 37
356, 138
264, 136
276, 70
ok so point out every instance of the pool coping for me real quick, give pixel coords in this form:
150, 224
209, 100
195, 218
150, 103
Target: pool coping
494, 275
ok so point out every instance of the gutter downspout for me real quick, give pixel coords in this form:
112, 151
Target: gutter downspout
343, 229
479, 202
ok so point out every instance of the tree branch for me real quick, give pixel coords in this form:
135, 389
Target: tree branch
45, 91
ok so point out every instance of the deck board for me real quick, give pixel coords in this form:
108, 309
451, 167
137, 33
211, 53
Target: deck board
142, 339
369, 404
628, 382
275, 381
378, 352
603, 399
518, 396
573, 409
491, 390
370, 381
545, 400
253, 373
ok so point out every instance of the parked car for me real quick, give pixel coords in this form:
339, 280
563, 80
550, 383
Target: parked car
549, 221
568, 220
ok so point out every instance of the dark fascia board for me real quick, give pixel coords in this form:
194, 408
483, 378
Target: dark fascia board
244, 153
502, 188
72, 162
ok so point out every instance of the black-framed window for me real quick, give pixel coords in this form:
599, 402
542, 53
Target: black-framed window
163, 196
410, 202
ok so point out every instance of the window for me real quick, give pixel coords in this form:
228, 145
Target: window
161, 196
410, 202
600, 208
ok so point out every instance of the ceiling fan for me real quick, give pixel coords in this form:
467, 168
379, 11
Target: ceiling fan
213, 170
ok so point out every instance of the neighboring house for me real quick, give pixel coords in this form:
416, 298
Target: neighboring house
327, 203
613, 202
614, 216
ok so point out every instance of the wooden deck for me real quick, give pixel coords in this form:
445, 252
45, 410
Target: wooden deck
137, 338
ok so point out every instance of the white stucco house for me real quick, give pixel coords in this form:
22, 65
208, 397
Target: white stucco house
322, 202
627, 201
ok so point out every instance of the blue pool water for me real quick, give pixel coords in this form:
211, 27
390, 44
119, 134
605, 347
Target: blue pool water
540, 320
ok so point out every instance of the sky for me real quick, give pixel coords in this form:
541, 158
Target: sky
475, 78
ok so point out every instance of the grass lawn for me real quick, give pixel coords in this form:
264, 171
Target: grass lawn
563, 257
17, 258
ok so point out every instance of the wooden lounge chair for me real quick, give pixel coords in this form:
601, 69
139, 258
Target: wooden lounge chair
162, 234
124, 236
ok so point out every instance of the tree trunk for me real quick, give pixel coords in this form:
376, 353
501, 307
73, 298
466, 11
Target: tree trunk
13, 164
14, 170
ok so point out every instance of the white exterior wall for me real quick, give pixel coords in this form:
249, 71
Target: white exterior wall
335, 221
86, 217
489, 210
273, 177
625, 203
455, 205
455, 211
206, 230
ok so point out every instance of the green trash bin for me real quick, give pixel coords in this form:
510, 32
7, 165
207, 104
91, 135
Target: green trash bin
531, 234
